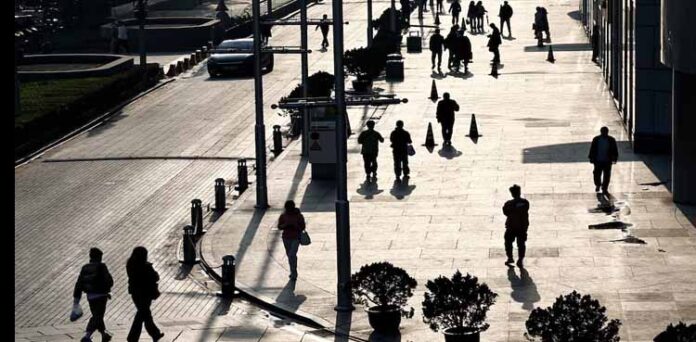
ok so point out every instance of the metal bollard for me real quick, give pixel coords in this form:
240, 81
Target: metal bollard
277, 140
228, 276
242, 176
219, 194
197, 216
189, 245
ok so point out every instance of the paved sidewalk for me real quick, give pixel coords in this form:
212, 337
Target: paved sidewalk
537, 120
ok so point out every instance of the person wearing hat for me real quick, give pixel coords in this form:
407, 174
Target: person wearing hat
96, 281
517, 212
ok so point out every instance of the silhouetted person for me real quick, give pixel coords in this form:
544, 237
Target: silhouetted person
505, 14
455, 9
450, 44
538, 25
494, 42
324, 26
122, 37
400, 139
471, 14
292, 223
595, 42
440, 7
445, 116
96, 281
142, 286
603, 153
480, 12
516, 224
266, 32
436, 44
462, 51
370, 140
545, 22
406, 11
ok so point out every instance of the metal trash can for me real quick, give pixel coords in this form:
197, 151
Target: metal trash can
395, 67
414, 42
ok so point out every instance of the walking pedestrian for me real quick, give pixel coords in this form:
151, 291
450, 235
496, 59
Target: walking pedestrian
505, 14
480, 12
400, 140
266, 32
292, 223
517, 212
494, 42
122, 37
595, 42
462, 52
440, 7
545, 22
406, 12
370, 140
324, 26
471, 14
455, 9
96, 281
537, 26
445, 116
436, 44
142, 286
603, 153
450, 43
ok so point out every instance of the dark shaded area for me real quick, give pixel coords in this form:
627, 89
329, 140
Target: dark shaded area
575, 15
402, 189
571, 153
610, 225
449, 152
184, 271
560, 47
319, 189
385, 337
369, 189
344, 321
523, 288
290, 300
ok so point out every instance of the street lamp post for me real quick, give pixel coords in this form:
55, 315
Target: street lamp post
369, 23
342, 208
305, 76
141, 14
259, 129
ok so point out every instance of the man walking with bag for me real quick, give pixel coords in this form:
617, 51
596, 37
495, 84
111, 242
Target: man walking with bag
400, 141
96, 281
445, 116
603, 153
370, 140
517, 212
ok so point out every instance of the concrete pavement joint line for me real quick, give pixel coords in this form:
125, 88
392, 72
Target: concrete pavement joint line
61, 160
88, 126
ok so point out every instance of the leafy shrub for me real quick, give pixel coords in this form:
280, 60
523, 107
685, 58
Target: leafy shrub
364, 63
383, 285
572, 318
679, 333
457, 302
319, 84
383, 23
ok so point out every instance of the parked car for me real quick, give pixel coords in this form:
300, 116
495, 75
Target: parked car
226, 58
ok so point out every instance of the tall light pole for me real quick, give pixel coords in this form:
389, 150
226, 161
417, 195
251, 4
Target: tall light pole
259, 129
305, 76
343, 292
141, 14
369, 23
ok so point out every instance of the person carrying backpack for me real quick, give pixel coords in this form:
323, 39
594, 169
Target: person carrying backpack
96, 281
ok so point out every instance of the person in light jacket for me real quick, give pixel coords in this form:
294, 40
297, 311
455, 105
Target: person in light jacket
96, 281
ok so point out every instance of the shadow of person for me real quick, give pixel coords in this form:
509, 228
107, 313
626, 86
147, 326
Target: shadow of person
462, 75
385, 337
449, 152
509, 38
369, 189
402, 189
288, 298
438, 75
523, 288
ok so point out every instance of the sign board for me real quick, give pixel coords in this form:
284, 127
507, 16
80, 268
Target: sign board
322, 135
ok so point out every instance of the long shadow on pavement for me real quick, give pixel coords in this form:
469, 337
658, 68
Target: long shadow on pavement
523, 288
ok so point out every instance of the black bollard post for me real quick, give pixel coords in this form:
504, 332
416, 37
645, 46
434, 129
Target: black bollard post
242, 176
197, 216
189, 245
228, 276
277, 140
219, 194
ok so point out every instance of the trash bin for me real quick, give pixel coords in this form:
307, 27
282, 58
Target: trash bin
414, 42
395, 67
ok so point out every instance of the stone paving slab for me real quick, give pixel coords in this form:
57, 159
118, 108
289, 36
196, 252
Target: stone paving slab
537, 120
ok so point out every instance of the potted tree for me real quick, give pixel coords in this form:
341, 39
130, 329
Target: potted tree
362, 63
384, 290
457, 306
572, 318
679, 333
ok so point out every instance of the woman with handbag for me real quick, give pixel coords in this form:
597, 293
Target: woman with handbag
142, 285
292, 223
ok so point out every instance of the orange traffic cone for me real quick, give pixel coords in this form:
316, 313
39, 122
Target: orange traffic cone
433, 92
550, 58
429, 137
